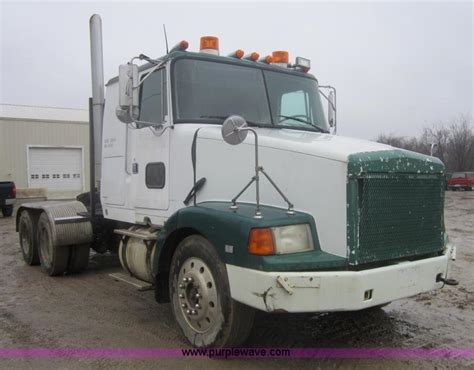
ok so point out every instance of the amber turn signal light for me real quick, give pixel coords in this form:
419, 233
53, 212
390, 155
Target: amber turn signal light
261, 242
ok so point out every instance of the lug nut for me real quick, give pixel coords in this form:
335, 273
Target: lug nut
194, 312
185, 280
197, 305
181, 296
181, 286
190, 279
184, 305
188, 312
197, 295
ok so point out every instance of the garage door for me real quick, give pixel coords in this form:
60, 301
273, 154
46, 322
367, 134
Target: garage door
57, 169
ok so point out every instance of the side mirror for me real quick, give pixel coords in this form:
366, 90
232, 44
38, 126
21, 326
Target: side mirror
234, 130
127, 109
331, 109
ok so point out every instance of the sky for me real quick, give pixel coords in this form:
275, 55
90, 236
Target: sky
397, 66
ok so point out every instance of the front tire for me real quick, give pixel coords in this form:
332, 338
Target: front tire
200, 297
28, 240
54, 259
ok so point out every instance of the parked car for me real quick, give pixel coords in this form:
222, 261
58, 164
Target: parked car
461, 180
7, 197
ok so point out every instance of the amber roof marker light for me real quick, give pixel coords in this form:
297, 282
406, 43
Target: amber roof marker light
182, 45
266, 59
209, 45
252, 56
239, 53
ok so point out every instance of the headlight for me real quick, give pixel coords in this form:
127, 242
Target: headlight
281, 240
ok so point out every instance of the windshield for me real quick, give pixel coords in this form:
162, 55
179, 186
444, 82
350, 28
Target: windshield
211, 91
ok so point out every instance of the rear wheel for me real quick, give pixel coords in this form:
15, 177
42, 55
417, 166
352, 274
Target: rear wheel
28, 241
7, 211
200, 297
54, 259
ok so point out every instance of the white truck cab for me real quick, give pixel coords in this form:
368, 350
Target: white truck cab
230, 192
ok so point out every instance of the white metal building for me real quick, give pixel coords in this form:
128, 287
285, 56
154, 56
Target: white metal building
44, 150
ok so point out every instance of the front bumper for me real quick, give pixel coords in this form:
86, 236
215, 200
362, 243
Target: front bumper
335, 290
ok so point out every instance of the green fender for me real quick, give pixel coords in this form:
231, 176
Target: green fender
229, 230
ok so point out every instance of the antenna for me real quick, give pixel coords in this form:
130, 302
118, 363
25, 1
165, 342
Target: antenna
166, 38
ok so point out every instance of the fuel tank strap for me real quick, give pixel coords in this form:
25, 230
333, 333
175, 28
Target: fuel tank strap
143, 235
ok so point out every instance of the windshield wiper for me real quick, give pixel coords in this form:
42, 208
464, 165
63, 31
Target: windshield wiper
304, 121
250, 123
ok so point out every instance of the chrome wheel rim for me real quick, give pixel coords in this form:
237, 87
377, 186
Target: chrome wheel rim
197, 295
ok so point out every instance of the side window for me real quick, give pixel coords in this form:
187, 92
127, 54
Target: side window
295, 103
155, 175
153, 98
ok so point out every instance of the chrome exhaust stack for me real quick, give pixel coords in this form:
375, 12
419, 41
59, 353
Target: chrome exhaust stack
97, 68
96, 108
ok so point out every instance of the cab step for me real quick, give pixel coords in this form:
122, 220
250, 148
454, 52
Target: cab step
139, 284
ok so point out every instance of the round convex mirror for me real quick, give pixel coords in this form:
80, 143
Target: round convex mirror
233, 130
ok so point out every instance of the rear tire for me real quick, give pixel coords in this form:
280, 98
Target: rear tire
54, 259
217, 320
7, 211
78, 258
28, 238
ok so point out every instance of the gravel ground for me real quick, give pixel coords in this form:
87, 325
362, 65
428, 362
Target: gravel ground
93, 310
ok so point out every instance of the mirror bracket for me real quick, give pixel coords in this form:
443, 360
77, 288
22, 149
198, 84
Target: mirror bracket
128, 109
234, 131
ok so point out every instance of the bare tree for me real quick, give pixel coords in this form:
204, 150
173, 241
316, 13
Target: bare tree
461, 144
455, 142
436, 134
410, 143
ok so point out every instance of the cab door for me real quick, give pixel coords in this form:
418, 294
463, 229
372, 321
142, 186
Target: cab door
149, 159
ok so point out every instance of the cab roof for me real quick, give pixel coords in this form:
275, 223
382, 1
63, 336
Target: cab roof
218, 58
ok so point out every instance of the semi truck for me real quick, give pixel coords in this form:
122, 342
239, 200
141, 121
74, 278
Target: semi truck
221, 184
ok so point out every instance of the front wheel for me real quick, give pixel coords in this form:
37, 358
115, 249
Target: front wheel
200, 297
